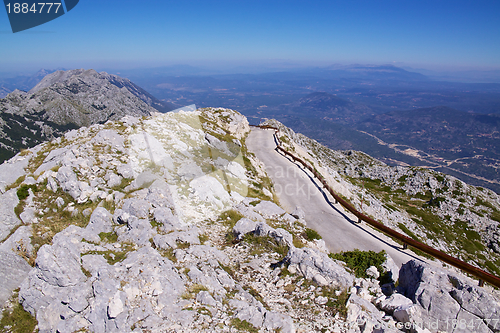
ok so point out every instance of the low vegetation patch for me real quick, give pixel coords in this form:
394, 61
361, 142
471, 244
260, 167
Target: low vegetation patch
230, 217
311, 234
336, 303
182, 245
16, 319
16, 183
203, 238
264, 244
243, 325
169, 254
108, 237
193, 290
359, 261
23, 191
112, 257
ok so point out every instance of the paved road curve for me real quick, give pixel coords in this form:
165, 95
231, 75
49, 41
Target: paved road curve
296, 187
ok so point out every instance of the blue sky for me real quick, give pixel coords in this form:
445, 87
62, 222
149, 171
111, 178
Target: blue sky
149, 33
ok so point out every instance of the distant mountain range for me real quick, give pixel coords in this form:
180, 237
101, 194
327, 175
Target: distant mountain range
22, 82
69, 99
329, 107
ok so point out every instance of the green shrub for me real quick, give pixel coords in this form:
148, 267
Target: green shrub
359, 261
23, 191
311, 234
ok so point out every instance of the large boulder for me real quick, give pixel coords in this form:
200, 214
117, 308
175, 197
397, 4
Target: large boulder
317, 266
269, 210
443, 296
8, 219
13, 270
100, 221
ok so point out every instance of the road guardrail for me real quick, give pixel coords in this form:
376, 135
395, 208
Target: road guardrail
482, 275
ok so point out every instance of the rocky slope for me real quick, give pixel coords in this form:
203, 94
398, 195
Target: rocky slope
168, 224
68, 99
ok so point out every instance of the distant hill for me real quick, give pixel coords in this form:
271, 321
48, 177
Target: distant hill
366, 72
330, 107
68, 99
22, 82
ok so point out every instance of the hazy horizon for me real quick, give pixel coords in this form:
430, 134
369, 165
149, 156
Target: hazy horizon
439, 36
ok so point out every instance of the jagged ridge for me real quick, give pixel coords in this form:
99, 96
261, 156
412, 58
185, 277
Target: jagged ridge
65, 100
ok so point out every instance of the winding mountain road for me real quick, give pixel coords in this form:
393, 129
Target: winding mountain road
297, 187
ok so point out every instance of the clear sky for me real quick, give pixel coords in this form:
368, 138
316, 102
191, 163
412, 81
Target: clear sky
149, 33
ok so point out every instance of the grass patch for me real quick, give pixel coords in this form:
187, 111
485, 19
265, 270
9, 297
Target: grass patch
182, 245
108, 237
193, 290
408, 231
169, 254
336, 304
203, 238
16, 319
124, 183
230, 217
155, 224
243, 325
257, 296
495, 216
112, 257
16, 183
86, 272
264, 244
311, 234
297, 242
227, 269
289, 288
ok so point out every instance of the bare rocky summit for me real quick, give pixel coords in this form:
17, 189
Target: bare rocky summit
65, 100
168, 224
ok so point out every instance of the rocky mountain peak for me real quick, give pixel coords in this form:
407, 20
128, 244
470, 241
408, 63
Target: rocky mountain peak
69, 99
76, 77
59, 77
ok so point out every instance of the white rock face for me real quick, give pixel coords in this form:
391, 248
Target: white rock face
439, 294
9, 220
